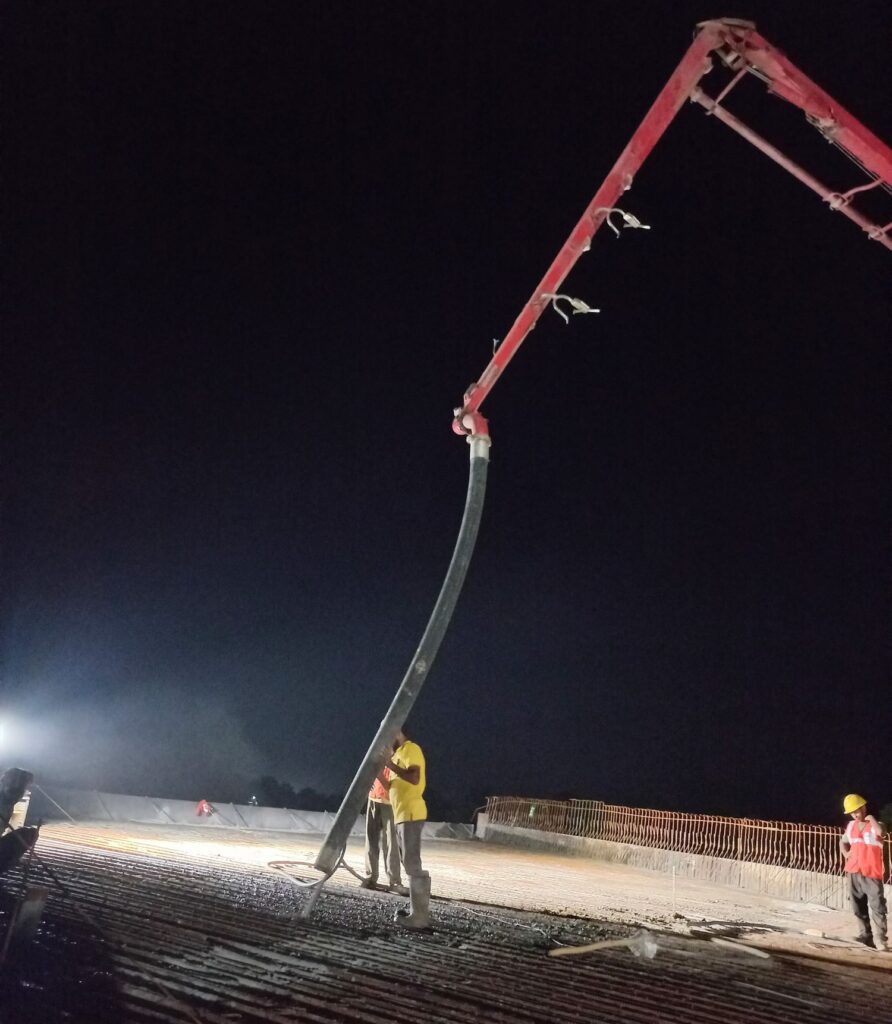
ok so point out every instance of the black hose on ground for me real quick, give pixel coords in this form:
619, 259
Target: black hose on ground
336, 840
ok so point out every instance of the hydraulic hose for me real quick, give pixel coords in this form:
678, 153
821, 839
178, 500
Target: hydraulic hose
336, 840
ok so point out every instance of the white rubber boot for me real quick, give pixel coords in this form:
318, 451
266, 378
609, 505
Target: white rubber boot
419, 900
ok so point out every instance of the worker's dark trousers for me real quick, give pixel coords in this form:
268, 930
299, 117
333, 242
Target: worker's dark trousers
868, 893
380, 834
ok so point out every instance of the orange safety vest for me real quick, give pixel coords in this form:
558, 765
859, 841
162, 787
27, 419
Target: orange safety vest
378, 793
866, 852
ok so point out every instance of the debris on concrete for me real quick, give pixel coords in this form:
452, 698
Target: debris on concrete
742, 946
642, 944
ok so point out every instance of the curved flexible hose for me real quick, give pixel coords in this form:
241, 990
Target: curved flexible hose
335, 842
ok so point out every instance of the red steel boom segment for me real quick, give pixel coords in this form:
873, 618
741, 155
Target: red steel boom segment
748, 48
742, 49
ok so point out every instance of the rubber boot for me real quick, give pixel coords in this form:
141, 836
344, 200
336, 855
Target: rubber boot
419, 897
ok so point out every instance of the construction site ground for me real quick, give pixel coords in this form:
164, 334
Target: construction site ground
177, 923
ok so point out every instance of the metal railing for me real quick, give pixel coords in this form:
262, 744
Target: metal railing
776, 843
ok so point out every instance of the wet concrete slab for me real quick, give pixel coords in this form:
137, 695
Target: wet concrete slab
165, 924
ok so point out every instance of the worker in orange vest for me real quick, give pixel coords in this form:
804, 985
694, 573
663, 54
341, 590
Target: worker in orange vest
862, 846
380, 835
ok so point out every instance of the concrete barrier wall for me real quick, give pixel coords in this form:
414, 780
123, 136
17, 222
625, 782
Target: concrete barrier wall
446, 830
58, 804
88, 805
787, 883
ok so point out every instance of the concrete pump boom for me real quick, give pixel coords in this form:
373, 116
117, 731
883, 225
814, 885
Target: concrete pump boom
738, 46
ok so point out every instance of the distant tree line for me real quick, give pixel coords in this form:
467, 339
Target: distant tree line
272, 792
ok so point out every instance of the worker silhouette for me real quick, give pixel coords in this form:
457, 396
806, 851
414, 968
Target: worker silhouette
406, 789
862, 846
381, 838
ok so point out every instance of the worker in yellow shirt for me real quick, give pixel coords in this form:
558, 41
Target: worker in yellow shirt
406, 790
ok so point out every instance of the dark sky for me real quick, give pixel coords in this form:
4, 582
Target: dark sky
258, 252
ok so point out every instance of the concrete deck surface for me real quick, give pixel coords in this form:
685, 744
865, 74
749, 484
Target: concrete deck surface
180, 924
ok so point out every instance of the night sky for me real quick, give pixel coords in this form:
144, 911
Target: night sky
258, 253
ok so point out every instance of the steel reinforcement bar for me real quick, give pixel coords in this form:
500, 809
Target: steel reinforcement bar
776, 843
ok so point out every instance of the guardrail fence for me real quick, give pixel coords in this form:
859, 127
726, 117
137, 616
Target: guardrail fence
776, 843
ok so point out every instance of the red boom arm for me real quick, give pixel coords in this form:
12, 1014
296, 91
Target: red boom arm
739, 46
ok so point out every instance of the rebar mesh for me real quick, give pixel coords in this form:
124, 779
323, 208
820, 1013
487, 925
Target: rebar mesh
776, 843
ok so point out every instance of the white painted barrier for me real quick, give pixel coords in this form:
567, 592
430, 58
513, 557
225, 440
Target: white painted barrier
56, 804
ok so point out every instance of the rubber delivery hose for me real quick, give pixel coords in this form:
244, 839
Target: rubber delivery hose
336, 840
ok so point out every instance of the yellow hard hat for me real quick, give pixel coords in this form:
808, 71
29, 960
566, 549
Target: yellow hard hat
852, 802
